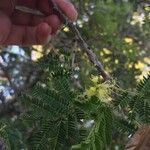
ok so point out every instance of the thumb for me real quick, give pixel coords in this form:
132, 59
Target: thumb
5, 27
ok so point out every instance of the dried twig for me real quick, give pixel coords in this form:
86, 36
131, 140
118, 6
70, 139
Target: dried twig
91, 55
28, 10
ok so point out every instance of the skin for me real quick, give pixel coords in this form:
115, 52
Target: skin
20, 28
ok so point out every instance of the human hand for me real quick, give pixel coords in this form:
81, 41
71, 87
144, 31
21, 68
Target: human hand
20, 28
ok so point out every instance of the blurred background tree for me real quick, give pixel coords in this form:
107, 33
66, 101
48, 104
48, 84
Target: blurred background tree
117, 30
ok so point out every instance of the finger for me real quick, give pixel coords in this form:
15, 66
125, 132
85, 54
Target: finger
27, 3
5, 26
67, 8
41, 5
7, 6
23, 18
33, 20
54, 22
25, 35
45, 7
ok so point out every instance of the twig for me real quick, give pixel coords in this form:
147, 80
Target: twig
73, 55
28, 10
91, 55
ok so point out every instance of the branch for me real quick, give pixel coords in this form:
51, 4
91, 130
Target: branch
84, 46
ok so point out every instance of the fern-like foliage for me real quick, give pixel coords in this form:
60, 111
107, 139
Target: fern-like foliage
57, 116
4, 136
52, 100
11, 136
136, 107
100, 134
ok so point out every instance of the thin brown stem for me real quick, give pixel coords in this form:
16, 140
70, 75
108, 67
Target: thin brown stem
82, 43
